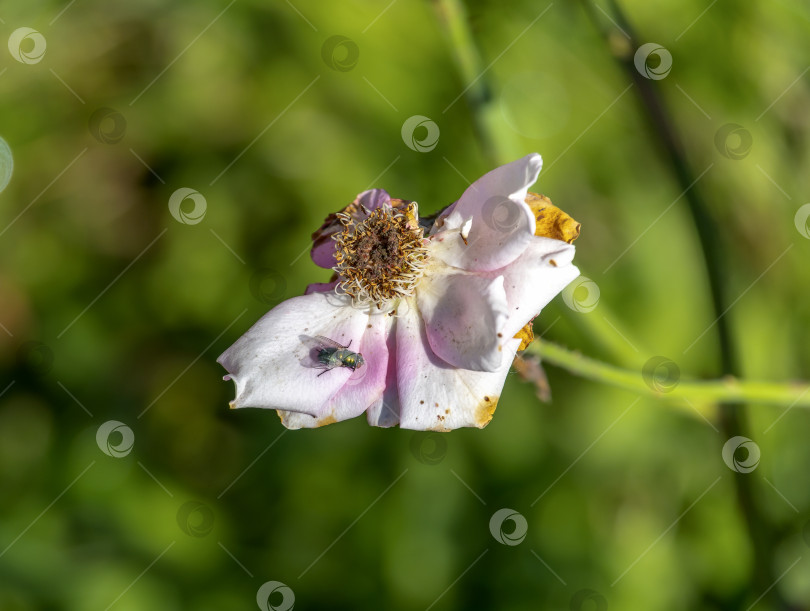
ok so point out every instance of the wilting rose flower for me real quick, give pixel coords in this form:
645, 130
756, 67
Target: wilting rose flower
437, 308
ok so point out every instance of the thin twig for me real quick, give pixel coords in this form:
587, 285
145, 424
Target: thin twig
732, 415
724, 390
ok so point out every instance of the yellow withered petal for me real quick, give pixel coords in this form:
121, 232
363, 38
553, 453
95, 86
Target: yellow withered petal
551, 221
525, 335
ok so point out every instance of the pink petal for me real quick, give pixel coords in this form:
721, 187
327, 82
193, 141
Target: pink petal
534, 279
320, 287
374, 198
464, 315
436, 396
384, 411
265, 362
323, 254
364, 387
502, 223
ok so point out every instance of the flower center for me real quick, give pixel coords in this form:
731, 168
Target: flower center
381, 257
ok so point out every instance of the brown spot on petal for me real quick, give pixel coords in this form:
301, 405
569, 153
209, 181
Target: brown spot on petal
551, 221
484, 411
552, 262
525, 335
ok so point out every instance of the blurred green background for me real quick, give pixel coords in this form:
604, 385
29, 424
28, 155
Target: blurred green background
113, 310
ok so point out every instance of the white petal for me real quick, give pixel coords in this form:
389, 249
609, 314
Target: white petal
436, 396
534, 279
384, 411
502, 223
463, 314
265, 362
364, 387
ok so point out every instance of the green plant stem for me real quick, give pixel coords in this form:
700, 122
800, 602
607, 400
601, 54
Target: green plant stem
725, 390
453, 18
732, 415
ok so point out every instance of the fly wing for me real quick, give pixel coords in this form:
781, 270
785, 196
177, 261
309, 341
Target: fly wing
310, 350
329, 343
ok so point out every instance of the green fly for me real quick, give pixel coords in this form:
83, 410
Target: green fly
324, 353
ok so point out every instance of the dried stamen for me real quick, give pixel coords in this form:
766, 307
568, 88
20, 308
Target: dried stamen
381, 257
